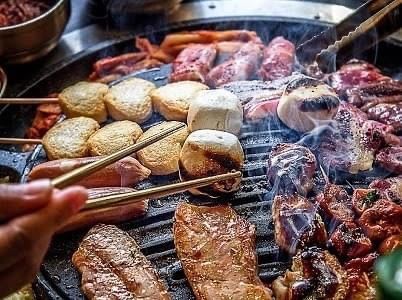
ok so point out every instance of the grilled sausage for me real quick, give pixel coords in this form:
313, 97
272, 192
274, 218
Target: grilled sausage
125, 172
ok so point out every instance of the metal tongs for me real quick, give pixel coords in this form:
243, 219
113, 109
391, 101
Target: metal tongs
365, 27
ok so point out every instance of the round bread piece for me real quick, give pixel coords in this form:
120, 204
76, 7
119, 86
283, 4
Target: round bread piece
215, 109
307, 103
211, 152
162, 157
173, 100
85, 99
130, 100
69, 139
114, 137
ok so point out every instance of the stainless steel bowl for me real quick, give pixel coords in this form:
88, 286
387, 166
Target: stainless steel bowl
35, 38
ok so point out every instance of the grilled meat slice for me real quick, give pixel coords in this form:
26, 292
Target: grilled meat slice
278, 59
389, 188
241, 66
354, 74
362, 281
348, 240
379, 135
297, 223
336, 205
259, 98
291, 168
390, 158
347, 147
381, 220
390, 244
315, 274
113, 267
193, 63
387, 113
368, 95
217, 250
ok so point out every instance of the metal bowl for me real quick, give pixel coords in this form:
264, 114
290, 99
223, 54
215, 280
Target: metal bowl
35, 38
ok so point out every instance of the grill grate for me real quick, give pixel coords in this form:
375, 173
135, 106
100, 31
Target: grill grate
154, 231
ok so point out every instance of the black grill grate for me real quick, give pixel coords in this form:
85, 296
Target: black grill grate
154, 232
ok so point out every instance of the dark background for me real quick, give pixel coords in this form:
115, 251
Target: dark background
86, 12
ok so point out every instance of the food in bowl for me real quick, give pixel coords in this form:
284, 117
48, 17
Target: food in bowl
13, 12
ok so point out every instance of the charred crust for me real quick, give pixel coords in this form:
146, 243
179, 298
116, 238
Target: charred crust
325, 102
302, 82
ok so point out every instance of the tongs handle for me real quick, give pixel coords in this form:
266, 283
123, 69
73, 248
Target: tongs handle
384, 22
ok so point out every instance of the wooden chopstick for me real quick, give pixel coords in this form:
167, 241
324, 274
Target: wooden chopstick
28, 100
157, 192
81, 172
18, 141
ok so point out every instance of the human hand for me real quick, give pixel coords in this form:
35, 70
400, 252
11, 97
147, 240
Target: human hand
29, 215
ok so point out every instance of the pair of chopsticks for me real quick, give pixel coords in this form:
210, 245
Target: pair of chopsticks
161, 191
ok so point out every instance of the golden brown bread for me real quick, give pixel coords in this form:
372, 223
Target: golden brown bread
69, 138
173, 100
85, 99
130, 100
114, 137
162, 157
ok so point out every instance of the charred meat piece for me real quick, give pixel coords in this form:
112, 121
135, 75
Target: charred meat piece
278, 59
381, 220
291, 168
109, 215
297, 223
241, 66
371, 94
315, 274
193, 63
113, 267
390, 158
389, 188
217, 250
252, 90
336, 205
379, 135
347, 147
362, 281
348, 240
387, 113
354, 74
390, 244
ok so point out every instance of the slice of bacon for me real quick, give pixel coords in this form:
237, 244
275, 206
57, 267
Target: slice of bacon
240, 66
193, 63
278, 60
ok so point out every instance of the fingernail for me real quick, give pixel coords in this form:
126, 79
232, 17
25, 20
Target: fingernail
38, 187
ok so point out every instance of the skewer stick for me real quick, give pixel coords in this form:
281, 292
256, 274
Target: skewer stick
157, 192
81, 172
28, 100
17, 141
